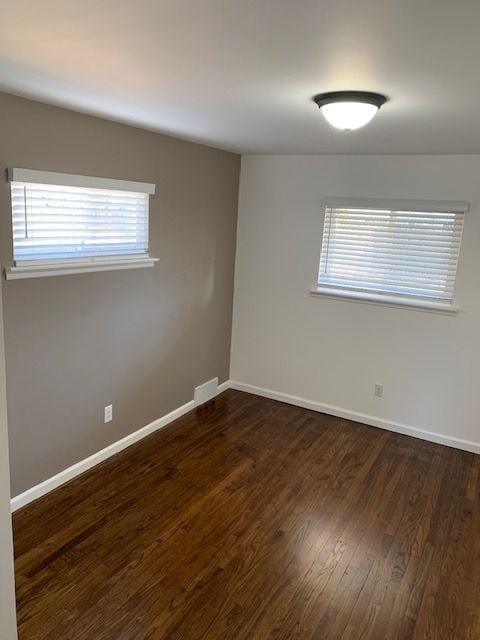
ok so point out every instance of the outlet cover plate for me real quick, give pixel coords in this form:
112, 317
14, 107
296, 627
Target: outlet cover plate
108, 414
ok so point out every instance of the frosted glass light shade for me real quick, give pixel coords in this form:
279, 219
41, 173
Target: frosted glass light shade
349, 110
349, 115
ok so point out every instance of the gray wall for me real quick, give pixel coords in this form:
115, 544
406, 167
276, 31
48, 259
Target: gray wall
7, 592
141, 339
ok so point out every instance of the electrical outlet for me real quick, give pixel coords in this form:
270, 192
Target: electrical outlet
378, 390
108, 413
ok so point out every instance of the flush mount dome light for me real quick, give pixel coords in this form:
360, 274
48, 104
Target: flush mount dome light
349, 109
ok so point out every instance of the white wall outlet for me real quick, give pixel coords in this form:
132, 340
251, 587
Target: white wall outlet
378, 390
108, 414
205, 392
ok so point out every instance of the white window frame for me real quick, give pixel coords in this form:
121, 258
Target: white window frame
379, 298
43, 268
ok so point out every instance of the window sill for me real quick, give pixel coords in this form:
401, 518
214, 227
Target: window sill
411, 304
65, 268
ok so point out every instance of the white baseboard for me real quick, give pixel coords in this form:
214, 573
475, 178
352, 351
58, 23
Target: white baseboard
224, 386
80, 467
458, 443
55, 481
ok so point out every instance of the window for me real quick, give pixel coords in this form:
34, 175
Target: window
68, 224
395, 251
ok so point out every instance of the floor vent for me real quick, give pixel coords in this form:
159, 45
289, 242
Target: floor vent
205, 392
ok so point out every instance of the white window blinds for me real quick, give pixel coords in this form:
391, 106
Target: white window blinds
399, 250
77, 218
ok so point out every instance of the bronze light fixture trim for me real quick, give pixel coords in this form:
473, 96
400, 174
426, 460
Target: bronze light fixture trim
349, 110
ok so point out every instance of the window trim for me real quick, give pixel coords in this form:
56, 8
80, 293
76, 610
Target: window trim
61, 267
384, 300
71, 180
387, 299
42, 268
399, 204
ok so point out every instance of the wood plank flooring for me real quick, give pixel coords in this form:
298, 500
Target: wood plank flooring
250, 519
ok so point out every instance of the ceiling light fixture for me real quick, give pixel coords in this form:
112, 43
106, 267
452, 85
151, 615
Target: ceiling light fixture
349, 110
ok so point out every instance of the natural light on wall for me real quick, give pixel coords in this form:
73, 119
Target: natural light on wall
60, 221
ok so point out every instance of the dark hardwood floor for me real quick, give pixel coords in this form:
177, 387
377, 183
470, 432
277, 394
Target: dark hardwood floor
251, 519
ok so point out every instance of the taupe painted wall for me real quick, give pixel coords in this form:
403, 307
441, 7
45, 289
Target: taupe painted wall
141, 339
8, 623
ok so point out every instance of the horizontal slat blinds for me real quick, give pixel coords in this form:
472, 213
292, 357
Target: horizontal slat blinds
406, 253
57, 222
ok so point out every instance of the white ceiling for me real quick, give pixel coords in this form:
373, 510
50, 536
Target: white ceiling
240, 74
